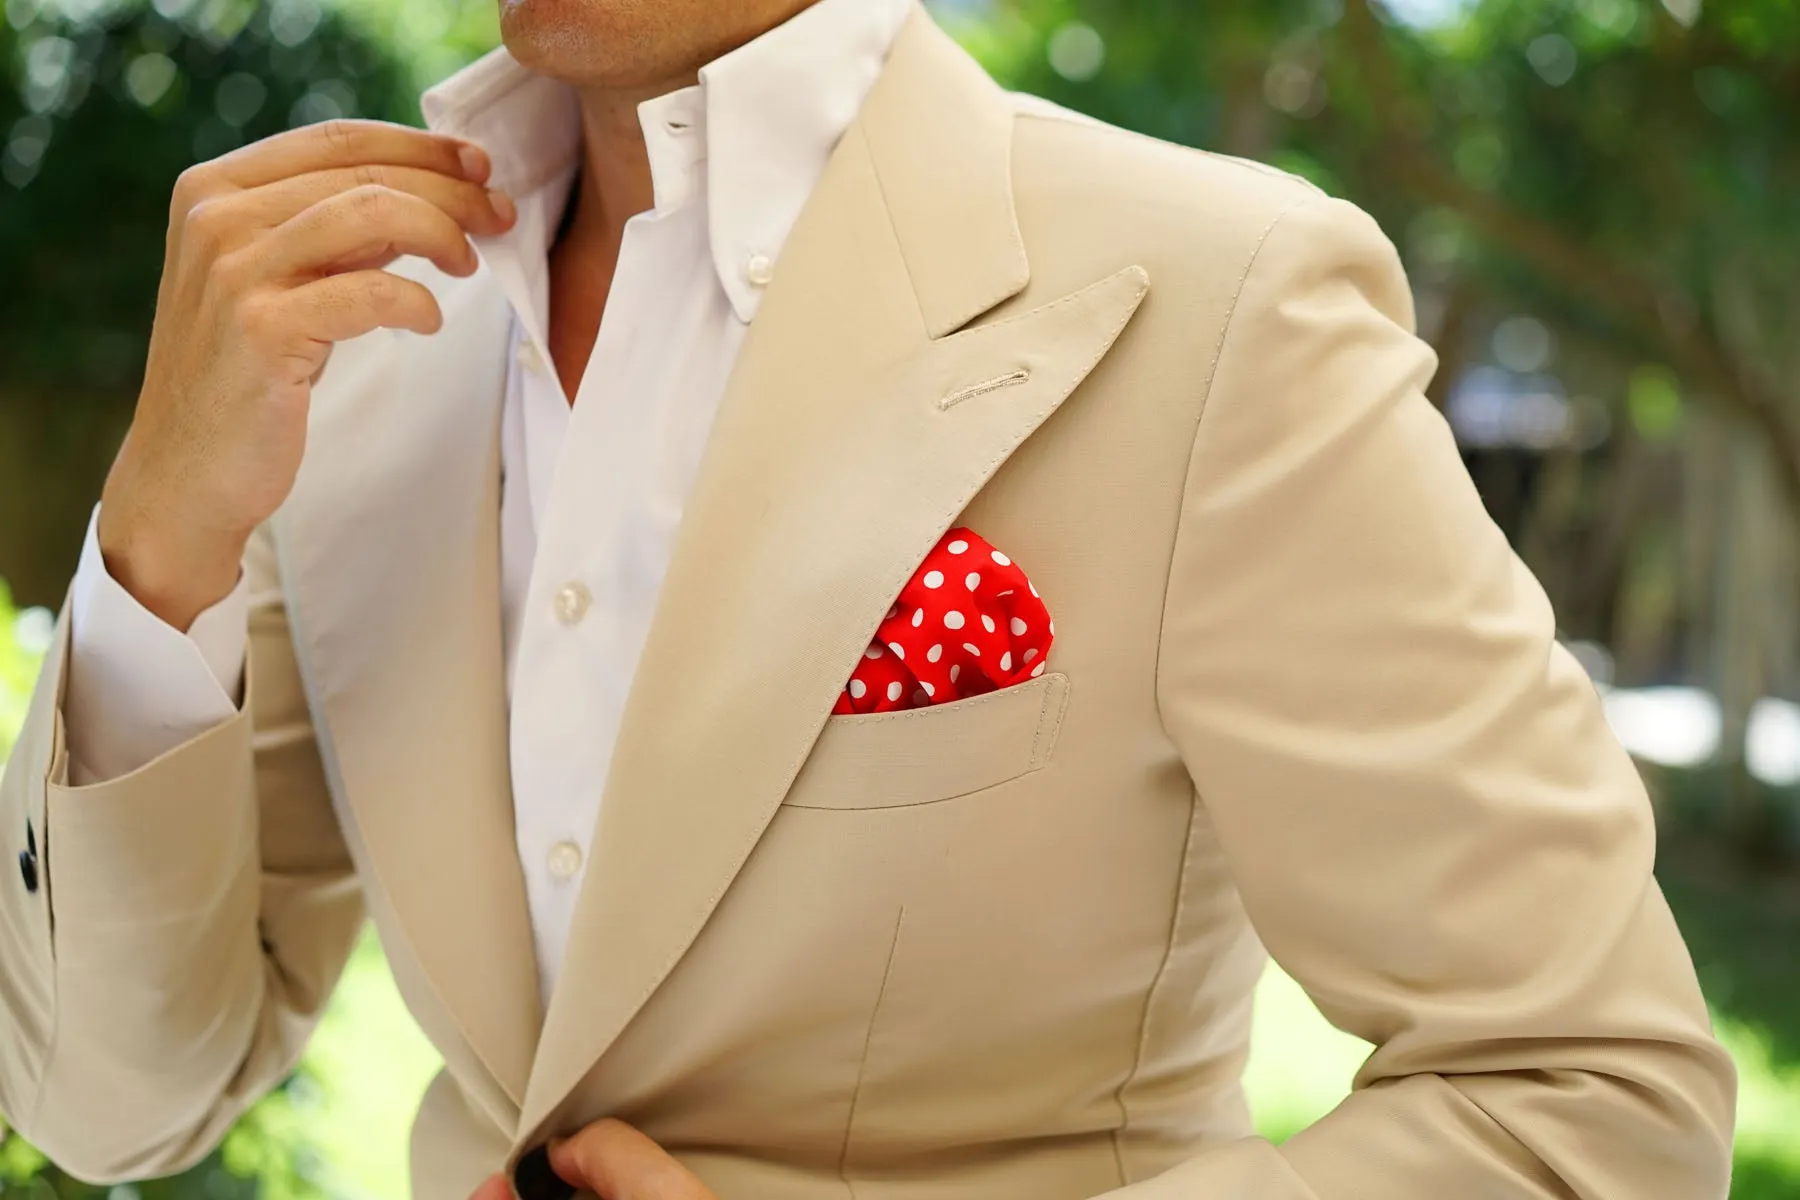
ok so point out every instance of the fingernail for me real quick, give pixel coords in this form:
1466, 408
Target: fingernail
503, 205
474, 161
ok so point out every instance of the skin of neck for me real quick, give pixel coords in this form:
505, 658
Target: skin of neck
618, 54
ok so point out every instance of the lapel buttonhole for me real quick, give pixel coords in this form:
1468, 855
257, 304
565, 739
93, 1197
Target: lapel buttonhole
1010, 379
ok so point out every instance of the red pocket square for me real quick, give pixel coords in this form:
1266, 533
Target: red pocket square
967, 622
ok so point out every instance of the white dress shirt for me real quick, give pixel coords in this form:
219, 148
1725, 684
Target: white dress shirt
592, 494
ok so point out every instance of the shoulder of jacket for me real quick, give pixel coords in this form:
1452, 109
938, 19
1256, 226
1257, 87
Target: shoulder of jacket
1167, 163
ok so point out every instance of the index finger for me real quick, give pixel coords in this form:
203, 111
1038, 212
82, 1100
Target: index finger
349, 142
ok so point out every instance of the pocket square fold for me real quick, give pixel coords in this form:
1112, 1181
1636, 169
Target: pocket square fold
967, 622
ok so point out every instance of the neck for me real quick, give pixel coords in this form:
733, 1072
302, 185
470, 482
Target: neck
615, 167
615, 182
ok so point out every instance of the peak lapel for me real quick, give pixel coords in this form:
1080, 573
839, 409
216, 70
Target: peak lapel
390, 556
849, 439
939, 135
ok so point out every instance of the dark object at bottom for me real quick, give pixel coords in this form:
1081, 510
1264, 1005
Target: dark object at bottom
534, 1180
28, 872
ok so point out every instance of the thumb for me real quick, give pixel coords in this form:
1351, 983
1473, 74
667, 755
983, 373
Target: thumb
617, 1162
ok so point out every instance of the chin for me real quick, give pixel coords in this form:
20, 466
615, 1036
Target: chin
606, 43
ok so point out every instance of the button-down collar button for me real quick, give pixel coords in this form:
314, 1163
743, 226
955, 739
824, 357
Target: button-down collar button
759, 270
564, 860
572, 602
529, 358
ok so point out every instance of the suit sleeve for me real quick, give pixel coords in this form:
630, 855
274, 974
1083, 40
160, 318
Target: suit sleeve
189, 920
1430, 823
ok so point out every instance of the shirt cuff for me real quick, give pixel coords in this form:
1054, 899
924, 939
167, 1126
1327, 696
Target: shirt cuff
138, 687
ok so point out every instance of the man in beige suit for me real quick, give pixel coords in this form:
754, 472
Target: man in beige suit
524, 637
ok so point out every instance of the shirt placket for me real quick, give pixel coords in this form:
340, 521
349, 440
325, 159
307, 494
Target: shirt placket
590, 591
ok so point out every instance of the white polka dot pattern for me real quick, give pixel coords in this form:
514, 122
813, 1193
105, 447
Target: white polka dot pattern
1007, 627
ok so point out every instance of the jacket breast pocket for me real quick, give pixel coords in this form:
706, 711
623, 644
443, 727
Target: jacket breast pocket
924, 755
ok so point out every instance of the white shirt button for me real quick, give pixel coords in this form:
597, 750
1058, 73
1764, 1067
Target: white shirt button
572, 602
564, 860
759, 270
529, 358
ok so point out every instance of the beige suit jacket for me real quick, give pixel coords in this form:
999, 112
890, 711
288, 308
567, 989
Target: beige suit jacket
1302, 696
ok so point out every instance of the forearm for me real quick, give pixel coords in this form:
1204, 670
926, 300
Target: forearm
140, 1011
1590, 1117
1484, 1134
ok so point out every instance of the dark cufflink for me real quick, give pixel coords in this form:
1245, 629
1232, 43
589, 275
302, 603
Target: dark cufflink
28, 860
534, 1180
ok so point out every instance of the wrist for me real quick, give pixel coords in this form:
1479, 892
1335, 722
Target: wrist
174, 569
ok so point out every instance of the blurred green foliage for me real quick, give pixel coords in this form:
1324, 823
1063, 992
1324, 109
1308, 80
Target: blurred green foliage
109, 104
111, 99
1623, 168
19, 661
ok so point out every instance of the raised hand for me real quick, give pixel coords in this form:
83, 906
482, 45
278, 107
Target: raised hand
275, 252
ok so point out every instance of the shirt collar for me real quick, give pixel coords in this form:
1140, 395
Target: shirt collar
764, 117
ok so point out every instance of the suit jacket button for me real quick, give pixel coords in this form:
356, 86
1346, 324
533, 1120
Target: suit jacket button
534, 1180
28, 870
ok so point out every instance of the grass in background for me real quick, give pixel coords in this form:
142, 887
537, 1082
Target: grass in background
1743, 928
367, 1068
23, 640
1300, 1067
